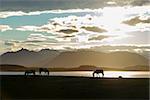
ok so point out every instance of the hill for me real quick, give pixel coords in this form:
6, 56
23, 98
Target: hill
73, 59
6, 67
138, 67
28, 58
111, 60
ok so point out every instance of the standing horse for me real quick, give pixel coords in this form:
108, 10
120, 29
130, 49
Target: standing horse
98, 72
45, 70
30, 72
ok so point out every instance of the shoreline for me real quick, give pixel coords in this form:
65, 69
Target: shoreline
107, 74
72, 70
63, 76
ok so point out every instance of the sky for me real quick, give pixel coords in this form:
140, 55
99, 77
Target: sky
100, 25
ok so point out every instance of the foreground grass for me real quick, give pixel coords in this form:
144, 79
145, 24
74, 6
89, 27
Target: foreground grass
61, 87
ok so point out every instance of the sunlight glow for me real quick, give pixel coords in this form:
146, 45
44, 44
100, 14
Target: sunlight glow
75, 36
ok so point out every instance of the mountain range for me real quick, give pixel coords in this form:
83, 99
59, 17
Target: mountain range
28, 58
73, 59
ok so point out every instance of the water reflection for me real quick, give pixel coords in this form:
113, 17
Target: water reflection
124, 74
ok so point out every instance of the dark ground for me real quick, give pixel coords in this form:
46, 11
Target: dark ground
61, 87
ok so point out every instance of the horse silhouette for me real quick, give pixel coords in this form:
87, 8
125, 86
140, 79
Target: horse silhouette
45, 70
98, 72
30, 72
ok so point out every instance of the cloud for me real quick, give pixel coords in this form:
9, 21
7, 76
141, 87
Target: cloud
31, 44
36, 37
68, 36
136, 48
40, 38
136, 20
142, 51
111, 3
126, 3
100, 20
132, 2
101, 27
5, 28
100, 37
140, 2
68, 31
94, 29
6, 14
8, 43
116, 50
88, 29
28, 28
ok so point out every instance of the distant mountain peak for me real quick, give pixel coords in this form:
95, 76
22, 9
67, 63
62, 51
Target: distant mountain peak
69, 59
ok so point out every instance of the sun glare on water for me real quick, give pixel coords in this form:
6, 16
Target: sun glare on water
127, 74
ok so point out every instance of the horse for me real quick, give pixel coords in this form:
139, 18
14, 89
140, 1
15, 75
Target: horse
30, 72
45, 70
98, 72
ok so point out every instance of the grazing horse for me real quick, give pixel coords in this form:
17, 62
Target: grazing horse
30, 72
45, 70
98, 72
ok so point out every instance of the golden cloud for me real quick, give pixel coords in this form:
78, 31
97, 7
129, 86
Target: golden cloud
136, 20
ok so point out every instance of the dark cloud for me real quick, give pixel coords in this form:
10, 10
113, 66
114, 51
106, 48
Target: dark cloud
132, 2
136, 20
101, 37
68, 31
9, 43
140, 2
68, 36
94, 29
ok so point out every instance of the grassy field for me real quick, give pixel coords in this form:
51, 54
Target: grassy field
61, 87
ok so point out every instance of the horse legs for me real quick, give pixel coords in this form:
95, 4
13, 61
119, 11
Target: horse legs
40, 72
47, 72
103, 74
98, 75
93, 74
26, 73
33, 73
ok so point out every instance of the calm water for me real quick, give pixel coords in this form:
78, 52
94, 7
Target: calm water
125, 74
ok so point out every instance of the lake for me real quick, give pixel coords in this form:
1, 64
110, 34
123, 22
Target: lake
109, 74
